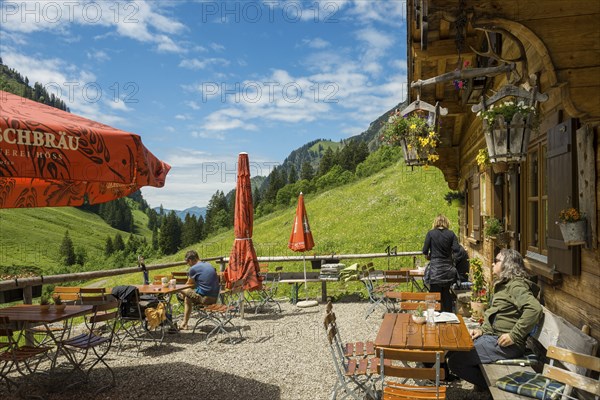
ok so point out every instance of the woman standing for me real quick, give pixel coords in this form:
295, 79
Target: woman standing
512, 315
440, 243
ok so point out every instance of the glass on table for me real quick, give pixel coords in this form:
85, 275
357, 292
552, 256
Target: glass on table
430, 303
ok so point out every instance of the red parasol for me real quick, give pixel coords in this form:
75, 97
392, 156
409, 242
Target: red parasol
243, 263
301, 240
51, 158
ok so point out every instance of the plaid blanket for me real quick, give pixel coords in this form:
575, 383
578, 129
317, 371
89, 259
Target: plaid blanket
530, 384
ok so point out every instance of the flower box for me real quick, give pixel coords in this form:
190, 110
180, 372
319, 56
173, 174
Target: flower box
573, 232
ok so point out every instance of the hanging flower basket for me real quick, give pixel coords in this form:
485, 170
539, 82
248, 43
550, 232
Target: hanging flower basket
416, 133
507, 130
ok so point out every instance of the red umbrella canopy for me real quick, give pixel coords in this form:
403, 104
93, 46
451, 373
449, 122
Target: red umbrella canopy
243, 263
51, 158
301, 238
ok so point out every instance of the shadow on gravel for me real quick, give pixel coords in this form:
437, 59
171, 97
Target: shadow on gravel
170, 380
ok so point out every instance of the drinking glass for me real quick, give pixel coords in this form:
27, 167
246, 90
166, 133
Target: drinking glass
430, 303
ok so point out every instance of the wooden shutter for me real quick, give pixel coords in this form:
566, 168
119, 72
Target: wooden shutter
476, 207
514, 194
562, 186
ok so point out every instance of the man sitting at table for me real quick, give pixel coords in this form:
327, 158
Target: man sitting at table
513, 313
204, 277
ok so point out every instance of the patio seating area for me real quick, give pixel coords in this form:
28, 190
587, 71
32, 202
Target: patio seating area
282, 356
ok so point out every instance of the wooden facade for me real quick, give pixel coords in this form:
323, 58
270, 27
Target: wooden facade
555, 45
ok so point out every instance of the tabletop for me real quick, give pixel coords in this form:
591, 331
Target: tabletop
160, 289
33, 313
417, 272
399, 331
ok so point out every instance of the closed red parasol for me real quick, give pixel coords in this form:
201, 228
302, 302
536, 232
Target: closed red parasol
243, 263
51, 158
301, 239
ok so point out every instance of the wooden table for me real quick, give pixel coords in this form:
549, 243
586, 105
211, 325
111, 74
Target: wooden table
399, 331
161, 290
32, 313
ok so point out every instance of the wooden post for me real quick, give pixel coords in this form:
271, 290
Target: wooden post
28, 299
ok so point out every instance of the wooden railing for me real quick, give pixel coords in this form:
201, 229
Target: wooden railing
27, 283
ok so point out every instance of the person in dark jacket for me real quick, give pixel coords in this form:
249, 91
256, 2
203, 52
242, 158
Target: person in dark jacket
440, 244
461, 263
513, 313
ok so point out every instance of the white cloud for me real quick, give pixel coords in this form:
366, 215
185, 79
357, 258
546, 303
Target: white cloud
98, 56
138, 20
195, 63
316, 43
193, 105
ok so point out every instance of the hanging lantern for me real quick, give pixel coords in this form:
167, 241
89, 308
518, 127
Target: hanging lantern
507, 125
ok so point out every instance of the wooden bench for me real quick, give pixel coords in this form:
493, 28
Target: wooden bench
553, 331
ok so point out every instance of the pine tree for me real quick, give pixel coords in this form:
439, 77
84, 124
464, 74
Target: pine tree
293, 175
306, 171
327, 162
169, 239
118, 243
108, 247
67, 250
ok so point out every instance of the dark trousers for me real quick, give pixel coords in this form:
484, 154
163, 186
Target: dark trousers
465, 365
446, 296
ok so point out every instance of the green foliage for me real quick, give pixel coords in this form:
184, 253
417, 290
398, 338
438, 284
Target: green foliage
384, 157
415, 130
169, 239
479, 292
492, 226
66, 251
334, 178
453, 195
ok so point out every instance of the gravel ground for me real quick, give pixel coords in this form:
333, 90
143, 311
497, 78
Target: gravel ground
282, 357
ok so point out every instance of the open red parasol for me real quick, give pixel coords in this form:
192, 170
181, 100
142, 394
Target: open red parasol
50, 158
243, 263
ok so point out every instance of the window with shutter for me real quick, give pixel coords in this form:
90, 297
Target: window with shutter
537, 200
562, 189
476, 210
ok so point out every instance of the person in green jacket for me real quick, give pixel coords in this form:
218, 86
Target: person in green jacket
513, 313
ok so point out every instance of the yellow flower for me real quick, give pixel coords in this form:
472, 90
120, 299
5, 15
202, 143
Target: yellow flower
432, 134
413, 126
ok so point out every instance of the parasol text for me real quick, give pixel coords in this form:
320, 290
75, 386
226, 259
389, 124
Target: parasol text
39, 138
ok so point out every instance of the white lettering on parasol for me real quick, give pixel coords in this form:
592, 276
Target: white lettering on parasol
40, 139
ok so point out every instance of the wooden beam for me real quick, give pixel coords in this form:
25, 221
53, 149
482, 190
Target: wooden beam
444, 29
442, 49
439, 88
586, 165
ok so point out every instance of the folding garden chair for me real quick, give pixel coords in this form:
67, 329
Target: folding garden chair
410, 301
92, 295
221, 315
22, 359
393, 390
133, 324
354, 377
87, 350
43, 334
376, 295
349, 349
266, 296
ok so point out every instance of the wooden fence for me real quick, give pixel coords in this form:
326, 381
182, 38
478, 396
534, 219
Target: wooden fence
26, 284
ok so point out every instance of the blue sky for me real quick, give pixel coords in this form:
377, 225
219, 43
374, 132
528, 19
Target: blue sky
201, 81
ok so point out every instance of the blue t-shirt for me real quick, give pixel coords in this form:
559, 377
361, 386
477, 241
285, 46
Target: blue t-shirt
205, 276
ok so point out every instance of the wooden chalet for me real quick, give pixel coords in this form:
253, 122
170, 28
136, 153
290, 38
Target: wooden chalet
551, 47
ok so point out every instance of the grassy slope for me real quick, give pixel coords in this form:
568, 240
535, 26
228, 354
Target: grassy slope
33, 236
393, 207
